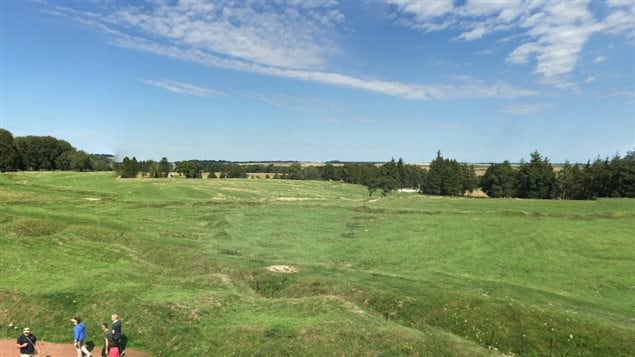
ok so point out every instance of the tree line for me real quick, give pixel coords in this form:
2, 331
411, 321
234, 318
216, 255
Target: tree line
536, 178
34, 153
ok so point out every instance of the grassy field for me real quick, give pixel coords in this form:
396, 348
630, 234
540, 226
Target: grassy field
184, 262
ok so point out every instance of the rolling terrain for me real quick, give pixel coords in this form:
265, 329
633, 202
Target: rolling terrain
185, 262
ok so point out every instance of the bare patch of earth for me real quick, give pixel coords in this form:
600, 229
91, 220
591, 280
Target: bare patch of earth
282, 269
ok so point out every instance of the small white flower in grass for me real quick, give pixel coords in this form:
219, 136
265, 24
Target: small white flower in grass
10, 324
571, 336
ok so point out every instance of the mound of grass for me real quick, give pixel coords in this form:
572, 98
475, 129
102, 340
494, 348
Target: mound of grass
185, 263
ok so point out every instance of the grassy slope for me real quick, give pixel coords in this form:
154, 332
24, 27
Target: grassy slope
183, 261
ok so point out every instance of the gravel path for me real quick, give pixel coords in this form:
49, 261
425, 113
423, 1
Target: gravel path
48, 349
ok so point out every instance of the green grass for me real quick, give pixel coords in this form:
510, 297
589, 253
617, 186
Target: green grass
184, 262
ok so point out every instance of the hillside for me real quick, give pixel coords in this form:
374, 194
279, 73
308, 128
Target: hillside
185, 263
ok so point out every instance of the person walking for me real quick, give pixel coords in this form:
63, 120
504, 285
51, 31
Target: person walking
110, 347
27, 343
116, 333
79, 335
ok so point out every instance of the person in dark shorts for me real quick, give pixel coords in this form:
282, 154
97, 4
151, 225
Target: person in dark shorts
27, 343
110, 347
116, 332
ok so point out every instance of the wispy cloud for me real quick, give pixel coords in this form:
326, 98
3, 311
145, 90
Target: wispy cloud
484, 53
181, 88
523, 109
552, 33
599, 59
291, 41
297, 36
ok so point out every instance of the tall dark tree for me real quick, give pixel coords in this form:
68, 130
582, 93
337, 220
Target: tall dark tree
622, 177
401, 173
570, 183
499, 180
163, 169
445, 177
434, 178
536, 178
470, 180
10, 159
129, 168
412, 176
393, 173
599, 177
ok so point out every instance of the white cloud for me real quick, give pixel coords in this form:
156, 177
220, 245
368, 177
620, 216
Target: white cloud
474, 34
523, 109
590, 79
181, 87
553, 33
599, 59
259, 32
259, 39
424, 10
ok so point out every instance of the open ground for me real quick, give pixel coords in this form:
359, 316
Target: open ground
189, 264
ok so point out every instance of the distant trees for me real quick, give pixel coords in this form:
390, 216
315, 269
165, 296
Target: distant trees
129, 168
571, 183
190, 169
535, 179
413, 176
163, 168
41, 152
34, 153
538, 179
235, 171
499, 180
10, 159
449, 178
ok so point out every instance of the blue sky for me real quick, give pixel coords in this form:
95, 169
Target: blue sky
482, 81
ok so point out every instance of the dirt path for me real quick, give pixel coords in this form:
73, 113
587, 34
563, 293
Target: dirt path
48, 349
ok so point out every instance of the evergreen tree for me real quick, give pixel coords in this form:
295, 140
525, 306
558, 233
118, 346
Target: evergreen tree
570, 183
446, 177
434, 177
599, 177
412, 176
535, 179
499, 180
470, 181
